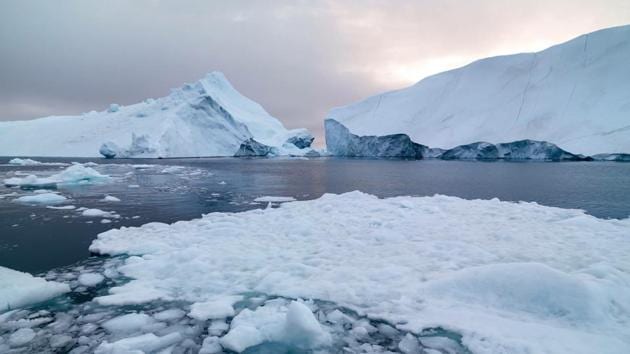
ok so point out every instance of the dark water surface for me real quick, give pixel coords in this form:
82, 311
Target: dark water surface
36, 238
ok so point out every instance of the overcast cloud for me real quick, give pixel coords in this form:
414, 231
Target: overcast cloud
297, 58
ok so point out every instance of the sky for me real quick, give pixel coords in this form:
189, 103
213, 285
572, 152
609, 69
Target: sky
297, 58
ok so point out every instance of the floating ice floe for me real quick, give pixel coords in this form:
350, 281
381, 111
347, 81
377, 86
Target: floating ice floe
272, 199
90, 279
109, 198
18, 289
30, 162
510, 277
75, 174
42, 198
98, 213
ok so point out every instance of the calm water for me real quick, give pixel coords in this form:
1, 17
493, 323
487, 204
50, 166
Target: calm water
35, 238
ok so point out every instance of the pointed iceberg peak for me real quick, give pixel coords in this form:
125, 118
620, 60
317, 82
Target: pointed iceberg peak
206, 118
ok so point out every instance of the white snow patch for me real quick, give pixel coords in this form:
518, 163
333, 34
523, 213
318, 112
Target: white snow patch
18, 289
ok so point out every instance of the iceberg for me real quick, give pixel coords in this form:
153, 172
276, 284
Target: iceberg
574, 95
498, 273
205, 118
517, 150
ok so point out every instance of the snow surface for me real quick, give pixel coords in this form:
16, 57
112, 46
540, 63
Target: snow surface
206, 118
575, 95
42, 198
75, 174
18, 289
510, 277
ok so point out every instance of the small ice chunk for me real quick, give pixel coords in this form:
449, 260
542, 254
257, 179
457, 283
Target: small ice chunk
129, 323
303, 329
109, 198
272, 199
43, 198
60, 341
173, 169
114, 107
169, 315
98, 213
75, 174
65, 207
409, 345
214, 309
133, 186
294, 324
21, 337
18, 289
146, 343
241, 338
24, 162
211, 345
105, 221
90, 279
218, 327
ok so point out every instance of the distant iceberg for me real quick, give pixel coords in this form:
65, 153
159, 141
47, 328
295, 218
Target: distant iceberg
205, 118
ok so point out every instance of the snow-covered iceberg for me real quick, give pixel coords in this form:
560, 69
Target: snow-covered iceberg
574, 95
206, 118
509, 277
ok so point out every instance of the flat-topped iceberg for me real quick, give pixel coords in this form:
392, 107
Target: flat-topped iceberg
574, 94
205, 118
498, 273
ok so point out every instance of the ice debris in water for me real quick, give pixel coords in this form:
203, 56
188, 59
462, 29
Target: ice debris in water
256, 323
30, 162
75, 174
99, 213
19, 289
110, 198
274, 199
496, 272
42, 198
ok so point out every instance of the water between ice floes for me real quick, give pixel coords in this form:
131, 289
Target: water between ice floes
54, 239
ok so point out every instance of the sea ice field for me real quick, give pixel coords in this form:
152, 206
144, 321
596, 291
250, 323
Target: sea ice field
297, 255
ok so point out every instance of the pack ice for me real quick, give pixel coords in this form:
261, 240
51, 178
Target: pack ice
509, 277
575, 95
206, 118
